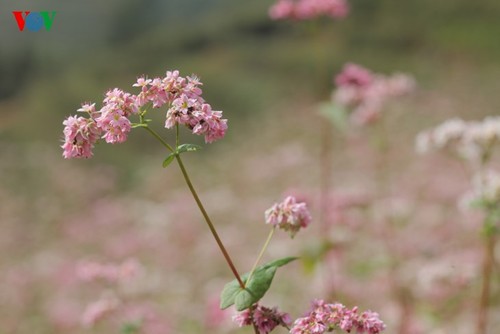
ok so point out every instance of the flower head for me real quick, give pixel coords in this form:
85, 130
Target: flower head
289, 215
264, 318
364, 93
325, 317
182, 96
308, 9
80, 135
473, 140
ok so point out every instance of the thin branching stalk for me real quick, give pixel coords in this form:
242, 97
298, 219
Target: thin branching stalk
198, 202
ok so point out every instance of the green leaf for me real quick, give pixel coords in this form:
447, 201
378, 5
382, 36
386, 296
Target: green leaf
188, 148
335, 113
168, 160
139, 125
280, 262
130, 328
255, 289
229, 294
244, 299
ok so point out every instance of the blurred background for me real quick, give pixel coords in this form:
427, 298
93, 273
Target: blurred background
268, 78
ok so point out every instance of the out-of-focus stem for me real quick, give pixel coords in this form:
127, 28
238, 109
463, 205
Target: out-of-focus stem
326, 174
488, 263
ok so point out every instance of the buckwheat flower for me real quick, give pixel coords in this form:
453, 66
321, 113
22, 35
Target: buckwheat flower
183, 112
111, 273
480, 137
325, 317
264, 318
243, 318
80, 135
283, 9
451, 131
366, 113
114, 123
486, 188
354, 75
99, 310
120, 100
192, 88
158, 93
423, 142
400, 84
144, 96
89, 109
308, 9
174, 84
369, 322
289, 215
210, 124
364, 93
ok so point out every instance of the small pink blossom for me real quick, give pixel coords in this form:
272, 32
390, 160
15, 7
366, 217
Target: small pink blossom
289, 215
80, 135
112, 273
364, 93
283, 9
325, 317
354, 75
265, 319
308, 9
114, 123
99, 310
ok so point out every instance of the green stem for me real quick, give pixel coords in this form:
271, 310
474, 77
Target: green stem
261, 253
198, 202
488, 263
209, 222
160, 139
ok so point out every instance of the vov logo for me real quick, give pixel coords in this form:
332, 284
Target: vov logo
34, 21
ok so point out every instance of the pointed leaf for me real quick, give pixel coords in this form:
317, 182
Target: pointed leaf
280, 262
255, 289
229, 293
244, 299
168, 160
188, 148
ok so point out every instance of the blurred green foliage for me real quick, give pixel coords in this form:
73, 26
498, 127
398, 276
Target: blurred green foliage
249, 64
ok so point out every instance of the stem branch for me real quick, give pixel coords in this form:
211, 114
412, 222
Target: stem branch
485, 292
261, 253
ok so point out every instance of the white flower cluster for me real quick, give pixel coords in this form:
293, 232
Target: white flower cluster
486, 189
472, 140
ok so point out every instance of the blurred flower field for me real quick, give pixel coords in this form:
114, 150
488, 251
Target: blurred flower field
398, 171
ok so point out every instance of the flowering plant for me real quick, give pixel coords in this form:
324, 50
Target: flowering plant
185, 106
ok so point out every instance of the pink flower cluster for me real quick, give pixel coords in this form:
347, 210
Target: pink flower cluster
308, 9
99, 310
187, 107
365, 93
112, 273
327, 317
264, 318
112, 123
289, 215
